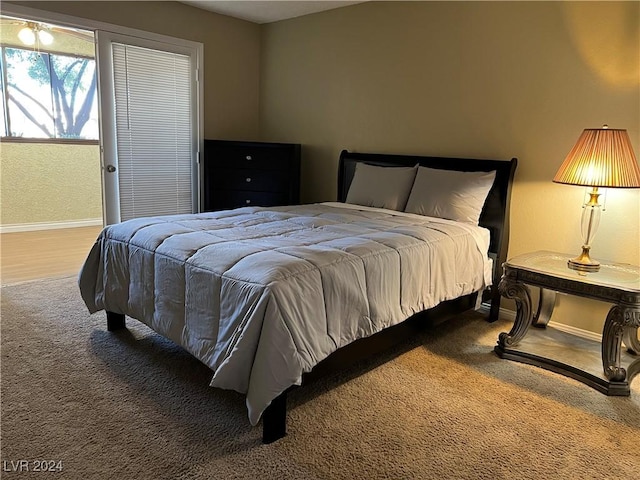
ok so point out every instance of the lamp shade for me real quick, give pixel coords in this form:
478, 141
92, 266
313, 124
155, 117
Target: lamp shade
602, 157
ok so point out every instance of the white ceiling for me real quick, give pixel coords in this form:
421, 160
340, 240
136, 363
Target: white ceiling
261, 11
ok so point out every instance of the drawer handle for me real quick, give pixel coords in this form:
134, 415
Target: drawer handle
247, 202
248, 157
248, 179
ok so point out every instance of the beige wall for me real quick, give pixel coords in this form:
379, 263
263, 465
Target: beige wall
45, 183
477, 79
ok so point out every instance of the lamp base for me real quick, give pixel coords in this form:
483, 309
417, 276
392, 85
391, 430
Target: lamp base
583, 262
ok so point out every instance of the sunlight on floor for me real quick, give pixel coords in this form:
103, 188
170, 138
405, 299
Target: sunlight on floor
28, 256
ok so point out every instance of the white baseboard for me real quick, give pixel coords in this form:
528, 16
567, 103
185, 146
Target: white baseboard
578, 332
32, 227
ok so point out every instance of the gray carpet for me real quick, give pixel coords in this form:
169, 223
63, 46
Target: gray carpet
132, 405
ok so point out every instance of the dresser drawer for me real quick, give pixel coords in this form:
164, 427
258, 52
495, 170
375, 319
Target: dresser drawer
228, 199
252, 179
271, 158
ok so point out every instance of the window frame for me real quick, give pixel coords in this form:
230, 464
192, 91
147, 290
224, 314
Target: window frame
5, 94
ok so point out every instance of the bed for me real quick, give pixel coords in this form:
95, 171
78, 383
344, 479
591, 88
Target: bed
268, 297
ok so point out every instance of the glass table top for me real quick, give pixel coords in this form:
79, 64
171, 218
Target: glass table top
618, 275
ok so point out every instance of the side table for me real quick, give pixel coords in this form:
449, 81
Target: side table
618, 284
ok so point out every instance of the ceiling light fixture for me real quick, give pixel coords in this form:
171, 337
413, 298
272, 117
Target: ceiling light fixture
32, 32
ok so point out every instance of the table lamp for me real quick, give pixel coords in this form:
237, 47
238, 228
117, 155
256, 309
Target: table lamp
602, 157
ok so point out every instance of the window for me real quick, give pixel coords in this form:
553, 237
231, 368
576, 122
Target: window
48, 95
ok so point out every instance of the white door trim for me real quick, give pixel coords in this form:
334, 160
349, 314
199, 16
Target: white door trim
108, 136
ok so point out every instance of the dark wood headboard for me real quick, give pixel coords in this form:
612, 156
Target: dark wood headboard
494, 216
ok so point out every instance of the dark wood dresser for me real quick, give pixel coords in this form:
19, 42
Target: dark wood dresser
240, 174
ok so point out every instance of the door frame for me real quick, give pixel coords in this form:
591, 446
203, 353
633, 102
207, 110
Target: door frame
109, 139
95, 25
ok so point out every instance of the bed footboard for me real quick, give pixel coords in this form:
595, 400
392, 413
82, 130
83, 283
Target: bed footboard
115, 321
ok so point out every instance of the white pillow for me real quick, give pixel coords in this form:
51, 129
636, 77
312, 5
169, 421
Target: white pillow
450, 194
382, 187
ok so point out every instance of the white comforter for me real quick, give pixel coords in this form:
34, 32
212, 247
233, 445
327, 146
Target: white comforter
262, 295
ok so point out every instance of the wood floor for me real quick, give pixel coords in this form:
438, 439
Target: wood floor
28, 256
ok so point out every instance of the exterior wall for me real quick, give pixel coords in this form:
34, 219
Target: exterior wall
43, 183
469, 79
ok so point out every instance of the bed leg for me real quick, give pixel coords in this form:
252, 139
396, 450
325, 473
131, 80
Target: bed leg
274, 419
494, 310
115, 321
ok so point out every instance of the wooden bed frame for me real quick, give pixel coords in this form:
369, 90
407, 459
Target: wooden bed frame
494, 217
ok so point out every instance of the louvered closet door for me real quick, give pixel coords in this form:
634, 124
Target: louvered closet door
149, 126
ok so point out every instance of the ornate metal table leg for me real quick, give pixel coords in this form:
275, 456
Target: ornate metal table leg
630, 339
619, 320
546, 304
520, 293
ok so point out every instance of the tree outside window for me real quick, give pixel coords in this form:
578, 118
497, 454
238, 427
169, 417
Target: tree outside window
48, 95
